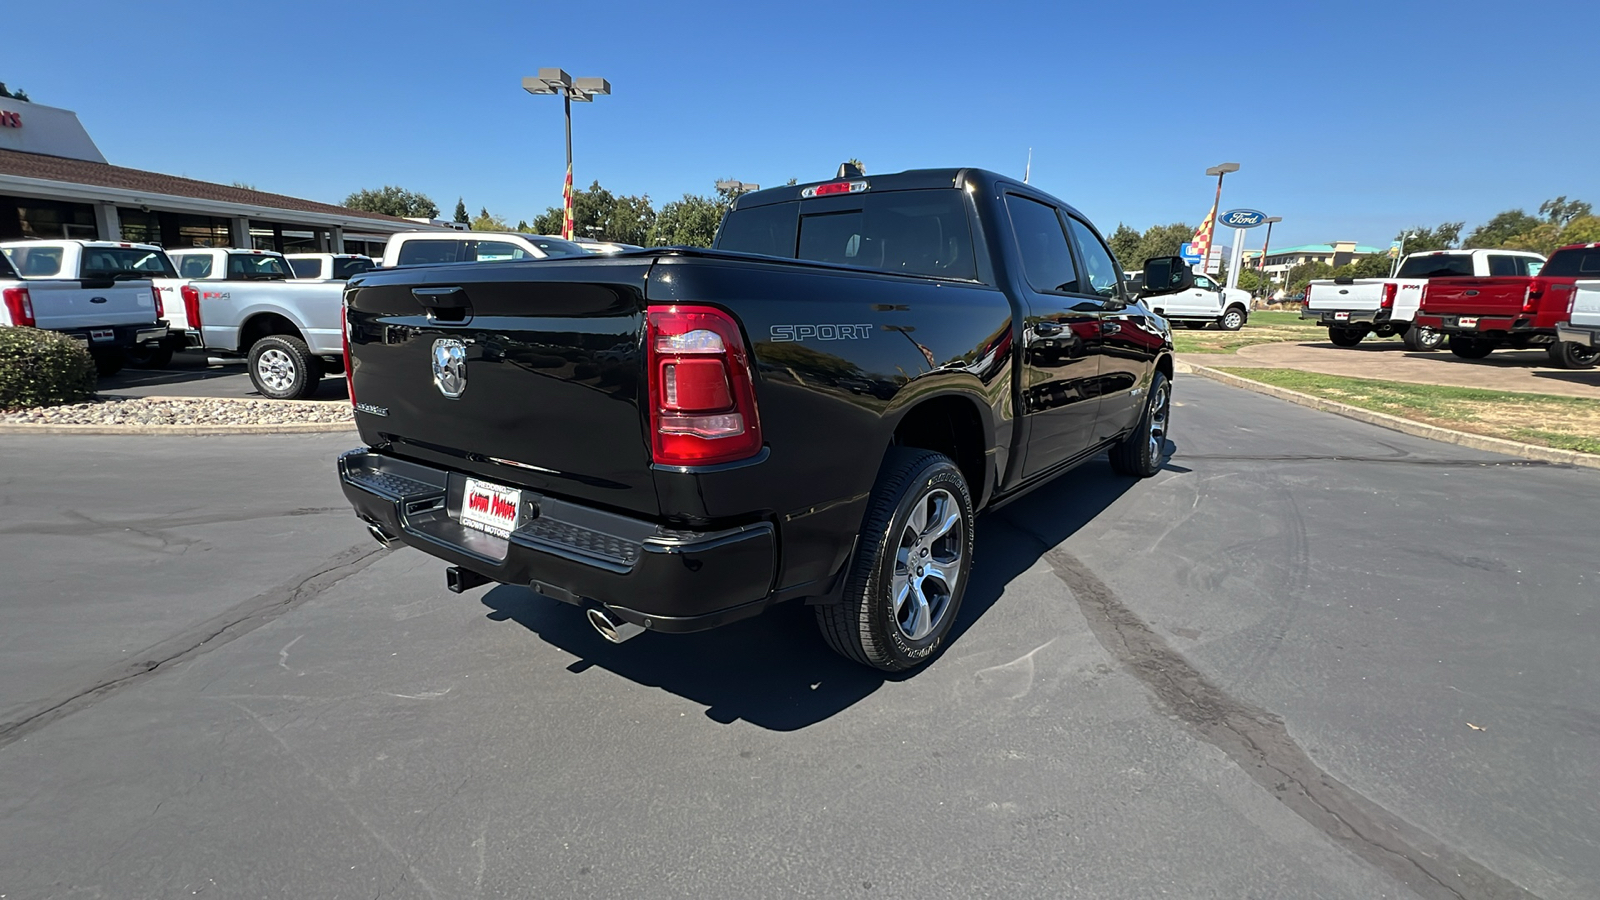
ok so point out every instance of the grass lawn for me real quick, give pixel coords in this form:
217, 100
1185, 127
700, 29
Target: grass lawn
1569, 423
1264, 327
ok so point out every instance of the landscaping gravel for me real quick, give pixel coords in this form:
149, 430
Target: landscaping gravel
182, 411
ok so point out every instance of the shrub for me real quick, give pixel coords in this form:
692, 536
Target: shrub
43, 368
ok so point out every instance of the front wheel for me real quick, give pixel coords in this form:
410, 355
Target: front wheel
1141, 453
1468, 347
1232, 320
1423, 339
282, 368
1344, 336
1568, 355
911, 565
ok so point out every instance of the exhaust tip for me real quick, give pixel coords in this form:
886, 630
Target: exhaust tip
379, 535
612, 628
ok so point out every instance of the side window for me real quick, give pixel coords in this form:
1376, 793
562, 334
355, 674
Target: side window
1046, 260
1204, 283
1500, 264
495, 251
427, 252
195, 265
1099, 268
36, 262
306, 268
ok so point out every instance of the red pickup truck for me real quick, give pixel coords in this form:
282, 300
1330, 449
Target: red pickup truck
1481, 315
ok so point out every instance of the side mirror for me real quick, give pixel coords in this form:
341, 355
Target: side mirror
1166, 275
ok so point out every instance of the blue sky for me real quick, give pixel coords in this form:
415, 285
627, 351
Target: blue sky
1351, 120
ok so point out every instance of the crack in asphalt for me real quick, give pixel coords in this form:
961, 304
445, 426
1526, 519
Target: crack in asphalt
204, 637
1258, 742
84, 525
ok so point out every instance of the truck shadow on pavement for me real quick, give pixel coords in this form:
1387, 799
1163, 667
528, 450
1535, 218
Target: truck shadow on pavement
774, 671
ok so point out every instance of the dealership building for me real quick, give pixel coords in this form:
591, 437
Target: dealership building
55, 183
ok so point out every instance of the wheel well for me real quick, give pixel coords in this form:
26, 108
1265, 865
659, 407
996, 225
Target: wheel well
262, 324
952, 426
1164, 366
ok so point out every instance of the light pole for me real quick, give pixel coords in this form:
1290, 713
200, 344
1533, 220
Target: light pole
1210, 226
583, 90
1400, 253
1264, 245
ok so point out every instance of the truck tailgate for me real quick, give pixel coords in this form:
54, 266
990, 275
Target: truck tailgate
1501, 296
1360, 295
1586, 304
525, 373
65, 305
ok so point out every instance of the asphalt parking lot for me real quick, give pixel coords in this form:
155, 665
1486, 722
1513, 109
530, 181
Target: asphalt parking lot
1311, 658
194, 374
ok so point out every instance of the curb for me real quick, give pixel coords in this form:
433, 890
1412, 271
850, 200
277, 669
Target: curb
1405, 426
183, 430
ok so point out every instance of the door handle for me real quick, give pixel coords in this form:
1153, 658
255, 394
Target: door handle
1110, 327
1047, 329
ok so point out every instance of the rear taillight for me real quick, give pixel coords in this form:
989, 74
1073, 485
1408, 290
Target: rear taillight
1307, 298
191, 305
1389, 290
161, 311
702, 393
1530, 297
349, 369
19, 305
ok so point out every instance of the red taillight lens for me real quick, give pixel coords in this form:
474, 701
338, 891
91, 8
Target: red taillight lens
191, 305
702, 393
20, 306
349, 368
1389, 290
1530, 297
1307, 298
161, 311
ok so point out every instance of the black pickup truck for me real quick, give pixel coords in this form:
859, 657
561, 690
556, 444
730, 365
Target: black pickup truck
815, 409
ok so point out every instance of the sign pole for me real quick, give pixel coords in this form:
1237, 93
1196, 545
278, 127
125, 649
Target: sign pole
1235, 257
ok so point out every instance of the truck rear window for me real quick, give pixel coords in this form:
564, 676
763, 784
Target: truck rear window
306, 268
125, 262
910, 232
1436, 266
346, 269
1579, 262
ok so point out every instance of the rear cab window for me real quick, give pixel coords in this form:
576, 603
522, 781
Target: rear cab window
306, 268
345, 269
1579, 262
1440, 266
195, 265
912, 232
125, 262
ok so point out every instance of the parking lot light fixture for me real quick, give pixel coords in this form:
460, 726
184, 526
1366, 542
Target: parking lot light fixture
583, 90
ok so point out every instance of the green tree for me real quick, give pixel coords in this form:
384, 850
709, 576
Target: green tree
1445, 236
549, 221
1582, 230
860, 166
1125, 246
1543, 237
18, 94
390, 200
522, 226
1562, 211
1307, 272
461, 211
1162, 240
487, 221
602, 215
1374, 266
1495, 232
690, 222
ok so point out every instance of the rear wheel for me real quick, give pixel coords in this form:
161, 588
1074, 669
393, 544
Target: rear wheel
150, 356
1142, 451
911, 565
282, 368
1568, 355
1345, 336
109, 362
1423, 339
1466, 346
1232, 320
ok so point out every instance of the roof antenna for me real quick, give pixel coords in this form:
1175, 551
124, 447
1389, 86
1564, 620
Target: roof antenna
1028, 172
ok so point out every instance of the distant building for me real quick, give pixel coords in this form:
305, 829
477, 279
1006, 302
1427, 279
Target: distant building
55, 183
1339, 253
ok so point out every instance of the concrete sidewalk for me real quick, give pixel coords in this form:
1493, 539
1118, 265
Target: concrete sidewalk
1526, 371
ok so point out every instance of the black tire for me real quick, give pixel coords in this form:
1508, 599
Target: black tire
1232, 319
1468, 347
1568, 355
1195, 326
149, 356
282, 368
1143, 450
109, 362
1345, 336
866, 626
1423, 339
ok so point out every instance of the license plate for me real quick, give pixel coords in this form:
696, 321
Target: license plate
1468, 322
102, 334
1341, 317
490, 507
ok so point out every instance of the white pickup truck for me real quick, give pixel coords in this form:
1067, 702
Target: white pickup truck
1204, 304
291, 333
1355, 308
421, 248
1583, 317
328, 266
98, 292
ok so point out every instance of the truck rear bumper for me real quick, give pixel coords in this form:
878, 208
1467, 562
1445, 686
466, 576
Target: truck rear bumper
118, 336
1578, 334
1451, 323
665, 579
1346, 316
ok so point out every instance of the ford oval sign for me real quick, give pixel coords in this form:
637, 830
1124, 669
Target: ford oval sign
1243, 218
